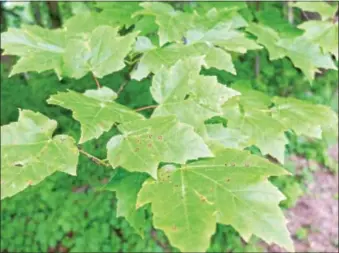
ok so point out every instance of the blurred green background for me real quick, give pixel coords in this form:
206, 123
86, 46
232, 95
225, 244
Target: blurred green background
67, 214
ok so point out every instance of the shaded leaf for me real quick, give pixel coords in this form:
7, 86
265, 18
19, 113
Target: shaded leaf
172, 24
127, 185
325, 9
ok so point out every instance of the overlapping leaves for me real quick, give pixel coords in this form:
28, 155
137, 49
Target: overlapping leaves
212, 34
95, 110
227, 186
303, 53
146, 143
193, 98
71, 51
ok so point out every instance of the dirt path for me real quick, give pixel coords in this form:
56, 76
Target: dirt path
317, 214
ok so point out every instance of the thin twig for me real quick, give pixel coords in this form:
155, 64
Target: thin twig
96, 81
122, 86
305, 15
145, 108
93, 158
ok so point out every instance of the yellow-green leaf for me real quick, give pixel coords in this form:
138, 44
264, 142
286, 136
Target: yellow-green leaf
29, 153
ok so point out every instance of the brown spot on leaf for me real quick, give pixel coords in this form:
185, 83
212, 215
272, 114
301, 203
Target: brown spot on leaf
174, 228
29, 182
159, 137
18, 164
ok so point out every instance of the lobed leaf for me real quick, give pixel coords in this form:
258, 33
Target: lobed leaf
302, 117
101, 52
145, 143
324, 34
39, 49
95, 110
325, 9
181, 91
29, 153
127, 185
231, 188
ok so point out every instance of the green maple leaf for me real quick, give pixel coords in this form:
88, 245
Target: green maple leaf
29, 153
102, 52
95, 110
304, 118
121, 14
324, 9
39, 49
205, 36
251, 98
231, 189
85, 23
214, 16
267, 37
220, 6
154, 58
143, 44
323, 33
262, 130
306, 56
223, 36
303, 53
127, 185
222, 137
181, 91
172, 24
145, 143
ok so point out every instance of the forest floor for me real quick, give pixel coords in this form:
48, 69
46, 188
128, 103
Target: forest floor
313, 221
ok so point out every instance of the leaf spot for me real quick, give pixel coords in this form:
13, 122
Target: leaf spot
19, 164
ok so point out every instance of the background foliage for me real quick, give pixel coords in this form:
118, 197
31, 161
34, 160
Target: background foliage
66, 213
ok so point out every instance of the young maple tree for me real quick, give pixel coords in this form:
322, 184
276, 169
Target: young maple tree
193, 173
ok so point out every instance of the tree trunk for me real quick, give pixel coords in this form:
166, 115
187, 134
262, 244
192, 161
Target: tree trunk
54, 13
35, 9
3, 23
